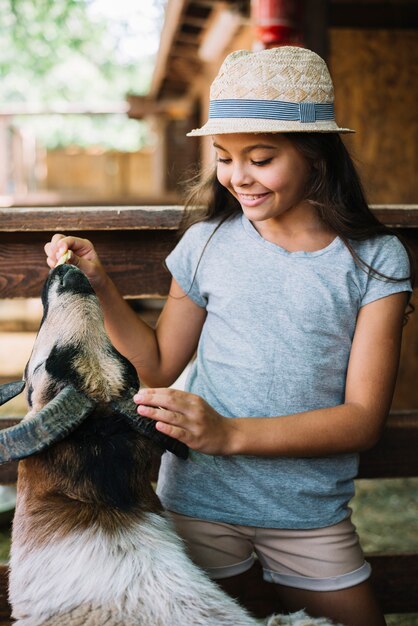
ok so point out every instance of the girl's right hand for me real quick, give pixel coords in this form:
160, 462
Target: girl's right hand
83, 256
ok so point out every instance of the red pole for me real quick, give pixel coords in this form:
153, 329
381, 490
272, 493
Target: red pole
277, 22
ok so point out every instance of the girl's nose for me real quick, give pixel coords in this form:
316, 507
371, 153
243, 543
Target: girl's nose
240, 175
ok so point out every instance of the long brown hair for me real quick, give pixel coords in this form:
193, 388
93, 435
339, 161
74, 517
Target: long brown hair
334, 188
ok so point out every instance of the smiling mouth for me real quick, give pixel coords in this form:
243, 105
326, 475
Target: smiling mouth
252, 199
252, 196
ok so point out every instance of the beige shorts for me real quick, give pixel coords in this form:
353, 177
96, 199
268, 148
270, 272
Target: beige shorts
320, 559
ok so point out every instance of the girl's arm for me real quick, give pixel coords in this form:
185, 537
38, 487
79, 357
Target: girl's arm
350, 427
159, 355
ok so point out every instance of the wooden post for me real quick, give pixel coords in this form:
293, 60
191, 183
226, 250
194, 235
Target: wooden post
315, 26
4, 154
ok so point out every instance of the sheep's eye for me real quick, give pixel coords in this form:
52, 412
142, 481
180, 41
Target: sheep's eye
38, 366
30, 392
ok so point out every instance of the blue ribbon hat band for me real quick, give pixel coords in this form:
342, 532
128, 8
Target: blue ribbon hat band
303, 112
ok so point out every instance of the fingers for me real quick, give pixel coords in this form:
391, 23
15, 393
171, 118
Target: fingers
170, 399
168, 422
51, 249
61, 244
161, 415
175, 412
186, 417
174, 431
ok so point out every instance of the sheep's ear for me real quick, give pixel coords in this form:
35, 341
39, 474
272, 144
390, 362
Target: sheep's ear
51, 424
145, 426
10, 390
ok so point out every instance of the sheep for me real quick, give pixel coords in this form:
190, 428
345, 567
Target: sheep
91, 544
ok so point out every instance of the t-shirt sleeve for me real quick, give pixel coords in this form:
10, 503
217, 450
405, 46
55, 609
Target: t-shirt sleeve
184, 262
390, 259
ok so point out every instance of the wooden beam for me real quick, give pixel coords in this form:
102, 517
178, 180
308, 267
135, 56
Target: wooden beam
187, 40
118, 234
140, 107
198, 22
395, 580
23, 269
383, 15
395, 456
174, 10
397, 215
184, 51
42, 219
315, 26
74, 108
5, 610
29, 219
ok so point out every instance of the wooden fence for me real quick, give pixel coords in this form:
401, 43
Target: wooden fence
132, 243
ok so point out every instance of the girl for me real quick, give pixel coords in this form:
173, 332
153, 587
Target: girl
293, 296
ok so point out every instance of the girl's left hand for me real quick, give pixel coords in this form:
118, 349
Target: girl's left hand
186, 417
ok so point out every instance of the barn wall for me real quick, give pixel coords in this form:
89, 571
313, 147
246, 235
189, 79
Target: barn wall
376, 86
100, 174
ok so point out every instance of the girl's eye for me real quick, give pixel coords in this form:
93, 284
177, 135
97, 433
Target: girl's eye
261, 163
219, 160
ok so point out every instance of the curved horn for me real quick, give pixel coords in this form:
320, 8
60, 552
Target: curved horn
56, 420
145, 426
10, 390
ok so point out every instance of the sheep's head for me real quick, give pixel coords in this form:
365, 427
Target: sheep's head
72, 370
72, 347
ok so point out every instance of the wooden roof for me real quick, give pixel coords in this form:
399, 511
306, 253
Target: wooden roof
186, 23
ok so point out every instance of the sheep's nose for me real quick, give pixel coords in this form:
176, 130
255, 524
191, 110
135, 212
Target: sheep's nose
66, 273
72, 279
64, 269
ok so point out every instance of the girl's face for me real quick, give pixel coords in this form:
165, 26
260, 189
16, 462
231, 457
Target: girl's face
265, 173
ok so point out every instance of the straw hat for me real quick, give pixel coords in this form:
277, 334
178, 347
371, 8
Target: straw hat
286, 89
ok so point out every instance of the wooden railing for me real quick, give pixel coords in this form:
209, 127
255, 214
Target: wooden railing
132, 243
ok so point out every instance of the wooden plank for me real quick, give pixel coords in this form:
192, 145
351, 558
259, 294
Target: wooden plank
5, 619
175, 10
374, 90
410, 236
395, 579
119, 234
85, 218
402, 215
134, 260
315, 26
381, 15
131, 241
8, 471
394, 456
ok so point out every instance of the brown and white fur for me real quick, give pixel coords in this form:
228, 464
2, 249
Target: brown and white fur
91, 543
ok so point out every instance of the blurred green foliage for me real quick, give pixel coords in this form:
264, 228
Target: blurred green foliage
54, 52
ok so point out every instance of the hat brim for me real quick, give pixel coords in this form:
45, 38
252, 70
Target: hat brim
224, 126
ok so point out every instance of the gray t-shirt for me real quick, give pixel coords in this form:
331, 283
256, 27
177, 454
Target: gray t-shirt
276, 341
